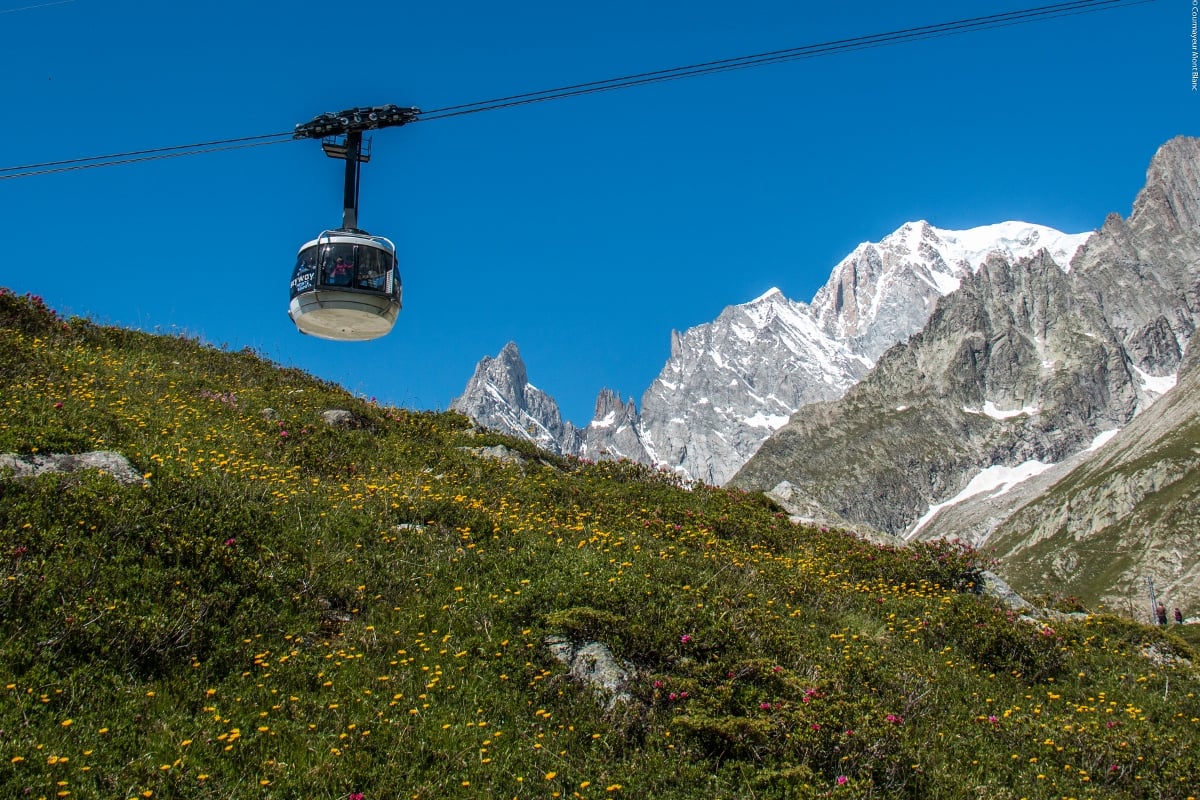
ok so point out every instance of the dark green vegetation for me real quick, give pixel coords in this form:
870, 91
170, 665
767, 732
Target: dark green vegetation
289, 609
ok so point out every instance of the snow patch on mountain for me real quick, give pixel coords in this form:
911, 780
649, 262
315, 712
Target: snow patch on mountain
998, 480
1101, 439
1157, 384
990, 409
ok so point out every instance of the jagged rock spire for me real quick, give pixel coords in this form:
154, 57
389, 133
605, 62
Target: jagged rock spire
500, 396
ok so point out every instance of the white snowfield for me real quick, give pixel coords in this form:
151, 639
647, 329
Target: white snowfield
990, 409
997, 480
1158, 384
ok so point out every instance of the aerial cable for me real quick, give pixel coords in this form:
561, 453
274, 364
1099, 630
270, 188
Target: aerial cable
779, 56
1004, 19
39, 5
74, 167
152, 154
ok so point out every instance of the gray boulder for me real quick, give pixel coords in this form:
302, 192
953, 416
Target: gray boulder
340, 418
107, 461
496, 453
595, 666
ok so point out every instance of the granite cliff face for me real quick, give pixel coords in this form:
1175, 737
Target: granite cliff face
1129, 511
729, 383
615, 431
1025, 363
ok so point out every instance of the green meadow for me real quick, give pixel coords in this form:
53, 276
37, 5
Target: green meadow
283, 608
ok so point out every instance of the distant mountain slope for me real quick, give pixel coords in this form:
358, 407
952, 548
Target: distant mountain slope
1130, 511
1025, 362
730, 383
883, 293
975, 388
993, 495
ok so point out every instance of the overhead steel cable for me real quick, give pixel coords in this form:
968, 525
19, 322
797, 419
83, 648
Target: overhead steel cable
129, 157
904, 35
39, 5
790, 54
74, 167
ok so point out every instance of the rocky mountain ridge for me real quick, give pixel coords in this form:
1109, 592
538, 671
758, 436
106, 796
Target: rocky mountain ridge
730, 383
1024, 364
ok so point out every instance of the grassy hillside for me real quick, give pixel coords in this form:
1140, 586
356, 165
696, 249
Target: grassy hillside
288, 609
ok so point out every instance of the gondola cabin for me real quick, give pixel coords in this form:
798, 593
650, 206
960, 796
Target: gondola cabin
345, 286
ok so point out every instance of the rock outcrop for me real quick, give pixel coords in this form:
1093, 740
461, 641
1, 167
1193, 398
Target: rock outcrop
105, 461
594, 665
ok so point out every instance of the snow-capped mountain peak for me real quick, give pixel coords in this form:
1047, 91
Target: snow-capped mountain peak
730, 383
769, 294
884, 291
1012, 240
500, 396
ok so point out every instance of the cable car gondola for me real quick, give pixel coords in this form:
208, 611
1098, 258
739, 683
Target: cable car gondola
345, 286
346, 282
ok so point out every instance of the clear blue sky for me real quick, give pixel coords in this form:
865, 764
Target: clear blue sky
583, 229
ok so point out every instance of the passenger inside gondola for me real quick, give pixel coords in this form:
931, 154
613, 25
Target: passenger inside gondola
341, 273
372, 269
